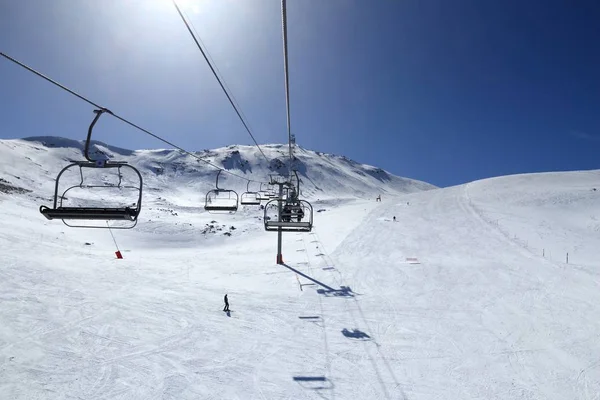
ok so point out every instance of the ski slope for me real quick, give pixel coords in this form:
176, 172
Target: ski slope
482, 315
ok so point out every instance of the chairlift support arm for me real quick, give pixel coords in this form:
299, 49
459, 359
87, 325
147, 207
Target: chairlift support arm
90, 129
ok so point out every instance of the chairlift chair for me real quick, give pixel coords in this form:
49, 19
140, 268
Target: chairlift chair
296, 216
263, 193
263, 196
249, 198
221, 200
264, 187
126, 211
290, 214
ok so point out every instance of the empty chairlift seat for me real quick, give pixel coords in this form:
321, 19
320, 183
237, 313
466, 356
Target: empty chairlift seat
88, 200
96, 190
221, 200
249, 198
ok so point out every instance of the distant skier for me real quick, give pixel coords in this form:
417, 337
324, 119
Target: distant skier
378, 198
226, 308
394, 218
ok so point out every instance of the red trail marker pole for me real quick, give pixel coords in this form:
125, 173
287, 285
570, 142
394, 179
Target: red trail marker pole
118, 252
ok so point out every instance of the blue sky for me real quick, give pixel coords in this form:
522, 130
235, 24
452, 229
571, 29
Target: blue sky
437, 90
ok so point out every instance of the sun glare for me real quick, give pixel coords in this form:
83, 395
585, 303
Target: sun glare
191, 6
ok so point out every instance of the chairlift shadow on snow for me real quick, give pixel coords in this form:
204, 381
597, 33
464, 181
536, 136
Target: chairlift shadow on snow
343, 291
314, 382
315, 319
355, 334
308, 277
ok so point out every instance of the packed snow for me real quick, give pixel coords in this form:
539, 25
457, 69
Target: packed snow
466, 295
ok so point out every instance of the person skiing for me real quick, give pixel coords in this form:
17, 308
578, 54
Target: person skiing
226, 308
394, 218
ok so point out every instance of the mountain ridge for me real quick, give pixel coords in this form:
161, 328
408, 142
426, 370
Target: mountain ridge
322, 175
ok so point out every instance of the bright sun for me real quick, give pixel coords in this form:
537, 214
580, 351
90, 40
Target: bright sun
191, 6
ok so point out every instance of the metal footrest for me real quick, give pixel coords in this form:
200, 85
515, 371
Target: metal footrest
90, 213
250, 203
288, 226
221, 208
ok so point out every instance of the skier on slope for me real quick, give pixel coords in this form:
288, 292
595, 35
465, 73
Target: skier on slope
394, 218
226, 308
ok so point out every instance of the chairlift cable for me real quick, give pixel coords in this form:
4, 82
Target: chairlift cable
121, 118
48, 79
214, 65
212, 68
287, 80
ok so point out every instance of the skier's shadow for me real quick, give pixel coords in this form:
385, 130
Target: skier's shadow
228, 313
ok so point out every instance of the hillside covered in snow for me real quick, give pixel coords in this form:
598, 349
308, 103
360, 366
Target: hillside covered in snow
322, 175
487, 290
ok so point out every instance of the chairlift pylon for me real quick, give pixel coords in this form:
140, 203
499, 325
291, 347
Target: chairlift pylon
125, 211
221, 200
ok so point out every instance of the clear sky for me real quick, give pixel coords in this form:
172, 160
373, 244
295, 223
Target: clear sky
445, 91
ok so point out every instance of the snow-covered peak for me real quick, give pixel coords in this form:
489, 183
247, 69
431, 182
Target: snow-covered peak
39, 159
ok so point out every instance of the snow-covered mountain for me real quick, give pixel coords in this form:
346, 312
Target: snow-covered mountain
322, 175
456, 293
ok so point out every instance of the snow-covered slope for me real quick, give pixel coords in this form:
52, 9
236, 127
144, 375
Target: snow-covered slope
456, 299
484, 315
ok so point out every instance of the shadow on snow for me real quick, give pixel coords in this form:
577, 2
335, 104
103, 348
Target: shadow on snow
355, 334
